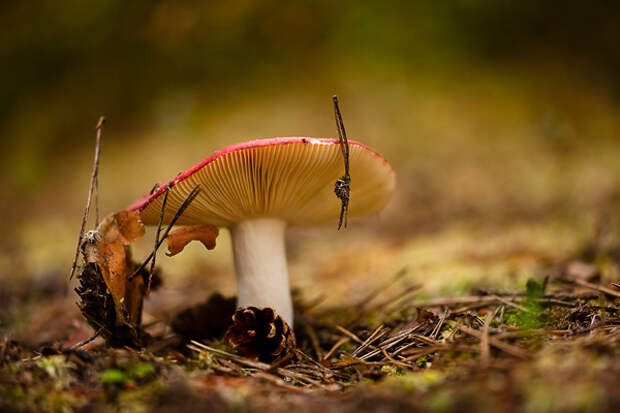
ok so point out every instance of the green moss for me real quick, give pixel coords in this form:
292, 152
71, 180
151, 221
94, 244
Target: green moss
392, 370
422, 361
142, 371
417, 382
113, 376
531, 316
59, 369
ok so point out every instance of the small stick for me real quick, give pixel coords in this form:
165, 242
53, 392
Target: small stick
381, 288
438, 302
374, 336
343, 184
314, 340
438, 326
394, 361
485, 348
93, 185
596, 287
316, 364
161, 220
342, 341
88, 340
197, 346
387, 304
505, 347
350, 334
99, 128
192, 195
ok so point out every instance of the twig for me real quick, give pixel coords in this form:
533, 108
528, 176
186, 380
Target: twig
197, 346
93, 184
88, 340
374, 336
439, 325
510, 303
273, 379
394, 361
413, 355
534, 332
438, 302
364, 302
348, 333
188, 200
596, 287
314, 340
390, 302
485, 348
387, 344
327, 373
161, 220
342, 341
505, 347
343, 184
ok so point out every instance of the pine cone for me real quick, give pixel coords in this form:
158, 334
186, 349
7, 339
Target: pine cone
260, 333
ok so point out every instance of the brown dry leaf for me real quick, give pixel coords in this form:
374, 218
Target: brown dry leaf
179, 238
425, 315
117, 231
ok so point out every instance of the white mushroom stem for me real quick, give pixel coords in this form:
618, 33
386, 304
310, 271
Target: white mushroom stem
260, 263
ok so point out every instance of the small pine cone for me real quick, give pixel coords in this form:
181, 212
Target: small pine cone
260, 333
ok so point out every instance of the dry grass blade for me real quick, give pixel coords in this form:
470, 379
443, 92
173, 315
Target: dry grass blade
313, 337
394, 361
452, 301
364, 302
505, 347
188, 200
196, 346
440, 324
161, 220
304, 377
596, 287
374, 336
339, 343
349, 334
511, 304
93, 186
485, 348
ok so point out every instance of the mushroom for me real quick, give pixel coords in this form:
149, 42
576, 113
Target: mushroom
256, 189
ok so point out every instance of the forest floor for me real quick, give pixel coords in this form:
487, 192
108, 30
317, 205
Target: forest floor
546, 341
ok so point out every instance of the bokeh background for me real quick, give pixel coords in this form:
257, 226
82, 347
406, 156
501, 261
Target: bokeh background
501, 119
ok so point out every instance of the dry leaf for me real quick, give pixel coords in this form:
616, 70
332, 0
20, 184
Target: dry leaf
179, 238
425, 315
117, 232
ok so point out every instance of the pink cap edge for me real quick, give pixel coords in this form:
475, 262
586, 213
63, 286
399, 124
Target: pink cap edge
144, 202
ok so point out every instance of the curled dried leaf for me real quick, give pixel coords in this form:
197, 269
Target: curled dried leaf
116, 232
179, 238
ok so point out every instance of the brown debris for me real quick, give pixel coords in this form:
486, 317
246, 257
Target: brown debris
206, 321
98, 307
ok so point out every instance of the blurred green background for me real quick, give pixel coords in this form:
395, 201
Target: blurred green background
501, 119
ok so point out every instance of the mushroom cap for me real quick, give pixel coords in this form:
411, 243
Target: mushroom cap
286, 178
